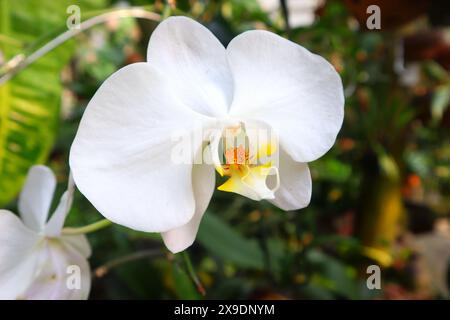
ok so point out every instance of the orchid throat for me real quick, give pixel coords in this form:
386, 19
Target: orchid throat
248, 157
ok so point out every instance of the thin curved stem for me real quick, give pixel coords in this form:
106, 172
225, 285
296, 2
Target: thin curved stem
87, 229
20, 61
192, 274
102, 270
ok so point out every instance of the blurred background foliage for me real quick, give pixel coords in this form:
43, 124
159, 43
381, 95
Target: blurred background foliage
381, 195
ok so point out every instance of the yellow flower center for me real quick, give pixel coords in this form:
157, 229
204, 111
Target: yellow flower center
247, 161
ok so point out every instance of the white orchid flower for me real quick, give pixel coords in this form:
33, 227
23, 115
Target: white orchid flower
34, 255
122, 155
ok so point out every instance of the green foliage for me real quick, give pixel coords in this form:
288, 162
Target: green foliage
184, 287
331, 275
223, 241
332, 169
30, 102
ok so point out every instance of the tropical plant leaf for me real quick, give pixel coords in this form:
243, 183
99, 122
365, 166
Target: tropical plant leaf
225, 242
184, 287
29, 103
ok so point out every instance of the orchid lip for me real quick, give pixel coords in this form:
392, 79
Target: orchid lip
246, 164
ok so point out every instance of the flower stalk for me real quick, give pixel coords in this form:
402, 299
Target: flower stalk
105, 268
193, 274
89, 228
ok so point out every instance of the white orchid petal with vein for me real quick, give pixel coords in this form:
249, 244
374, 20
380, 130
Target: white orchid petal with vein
122, 156
34, 255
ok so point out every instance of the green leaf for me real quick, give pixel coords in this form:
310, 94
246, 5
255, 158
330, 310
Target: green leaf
184, 287
332, 275
331, 169
226, 243
30, 102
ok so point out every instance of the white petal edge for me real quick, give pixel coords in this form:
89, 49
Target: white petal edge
299, 94
195, 62
295, 187
18, 258
179, 239
56, 222
36, 197
121, 155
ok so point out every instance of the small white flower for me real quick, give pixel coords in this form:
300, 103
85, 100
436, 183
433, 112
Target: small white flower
121, 158
34, 255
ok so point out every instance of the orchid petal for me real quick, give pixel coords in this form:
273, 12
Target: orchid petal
179, 239
79, 243
58, 261
250, 182
299, 94
56, 222
36, 197
295, 187
18, 258
196, 63
121, 158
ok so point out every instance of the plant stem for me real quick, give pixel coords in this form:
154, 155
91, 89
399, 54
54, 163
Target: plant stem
285, 11
20, 62
87, 229
105, 268
192, 274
